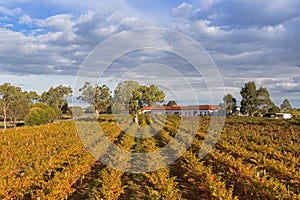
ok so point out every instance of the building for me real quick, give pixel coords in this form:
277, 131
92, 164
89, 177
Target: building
199, 110
280, 115
283, 116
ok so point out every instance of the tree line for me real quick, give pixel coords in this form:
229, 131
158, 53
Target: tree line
132, 96
31, 107
129, 95
51, 105
254, 102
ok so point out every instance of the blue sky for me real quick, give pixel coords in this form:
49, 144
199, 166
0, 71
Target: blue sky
44, 43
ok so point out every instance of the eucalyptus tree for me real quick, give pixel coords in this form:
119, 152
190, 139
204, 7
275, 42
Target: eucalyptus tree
99, 97
13, 103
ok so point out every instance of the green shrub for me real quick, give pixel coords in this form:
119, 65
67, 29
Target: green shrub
40, 114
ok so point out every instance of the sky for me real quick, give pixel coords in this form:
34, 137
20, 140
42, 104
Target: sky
47, 43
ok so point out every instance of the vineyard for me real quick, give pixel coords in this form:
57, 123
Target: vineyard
254, 158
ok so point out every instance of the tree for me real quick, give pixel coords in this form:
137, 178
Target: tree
172, 103
32, 97
104, 99
88, 95
256, 101
274, 109
56, 98
148, 96
123, 94
264, 102
11, 99
19, 107
145, 96
229, 104
286, 106
249, 98
98, 97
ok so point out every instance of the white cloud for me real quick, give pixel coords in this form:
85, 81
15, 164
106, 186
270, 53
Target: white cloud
8, 25
10, 12
57, 22
85, 18
130, 21
274, 29
26, 19
61, 41
106, 31
183, 9
205, 27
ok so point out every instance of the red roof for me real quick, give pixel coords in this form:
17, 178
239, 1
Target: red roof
199, 107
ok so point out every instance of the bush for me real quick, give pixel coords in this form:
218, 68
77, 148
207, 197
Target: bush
40, 114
